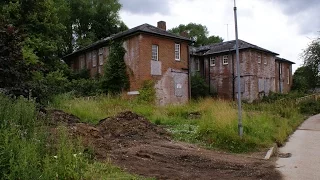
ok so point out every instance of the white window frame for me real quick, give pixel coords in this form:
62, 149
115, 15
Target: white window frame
212, 61
197, 64
94, 58
177, 49
288, 76
259, 59
225, 60
101, 56
265, 60
155, 52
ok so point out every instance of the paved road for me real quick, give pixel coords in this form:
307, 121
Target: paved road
304, 146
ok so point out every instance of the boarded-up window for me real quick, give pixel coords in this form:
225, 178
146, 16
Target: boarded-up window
82, 62
242, 84
259, 58
261, 85
155, 68
288, 77
94, 59
101, 56
88, 59
197, 65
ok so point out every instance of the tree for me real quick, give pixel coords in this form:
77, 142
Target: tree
14, 71
199, 87
302, 79
311, 56
93, 20
115, 78
197, 32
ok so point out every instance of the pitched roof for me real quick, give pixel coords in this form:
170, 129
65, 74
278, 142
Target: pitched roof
229, 46
144, 28
284, 60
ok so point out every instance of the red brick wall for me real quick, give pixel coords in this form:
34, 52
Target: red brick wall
142, 68
283, 77
221, 76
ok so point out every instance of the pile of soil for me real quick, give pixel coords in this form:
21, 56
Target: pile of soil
140, 147
131, 126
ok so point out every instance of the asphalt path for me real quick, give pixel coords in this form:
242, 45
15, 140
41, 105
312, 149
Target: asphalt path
299, 159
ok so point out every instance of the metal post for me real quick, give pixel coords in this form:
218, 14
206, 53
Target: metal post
240, 128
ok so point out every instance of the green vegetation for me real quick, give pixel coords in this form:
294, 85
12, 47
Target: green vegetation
115, 78
211, 123
199, 33
28, 151
199, 87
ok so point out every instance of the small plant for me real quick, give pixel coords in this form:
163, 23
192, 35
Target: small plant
310, 107
147, 93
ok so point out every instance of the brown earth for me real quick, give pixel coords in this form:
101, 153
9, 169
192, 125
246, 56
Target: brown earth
140, 147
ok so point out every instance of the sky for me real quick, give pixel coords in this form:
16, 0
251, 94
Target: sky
282, 26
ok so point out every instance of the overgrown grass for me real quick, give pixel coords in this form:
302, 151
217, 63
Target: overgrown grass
215, 127
27, 151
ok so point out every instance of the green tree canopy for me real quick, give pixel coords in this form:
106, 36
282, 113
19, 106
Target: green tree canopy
199, 33
311, 56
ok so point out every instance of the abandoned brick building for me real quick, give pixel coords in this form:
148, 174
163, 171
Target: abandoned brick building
261, 70
152, 53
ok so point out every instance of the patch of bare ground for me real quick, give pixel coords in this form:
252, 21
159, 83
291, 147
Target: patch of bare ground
140, 147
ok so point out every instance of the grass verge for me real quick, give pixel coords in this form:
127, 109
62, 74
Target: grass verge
28, 151
211, 123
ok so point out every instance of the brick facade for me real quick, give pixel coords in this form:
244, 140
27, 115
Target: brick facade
170, 74
259, 71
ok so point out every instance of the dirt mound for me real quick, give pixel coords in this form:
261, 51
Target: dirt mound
140, 147
60, 117
130, 125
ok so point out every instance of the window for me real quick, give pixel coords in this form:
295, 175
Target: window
280, 68
155, 51
259, 59
288, 76
265, 59
94, 59
197, 65
88, 59
177, 52
212, 61
101, 56
82, 62
225, 60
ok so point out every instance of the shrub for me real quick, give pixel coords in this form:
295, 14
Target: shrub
310, 107
115, 78
199, 87
147, 93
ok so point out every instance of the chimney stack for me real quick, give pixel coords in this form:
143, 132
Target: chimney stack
162, 25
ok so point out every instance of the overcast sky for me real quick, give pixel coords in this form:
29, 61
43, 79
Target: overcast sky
283, 26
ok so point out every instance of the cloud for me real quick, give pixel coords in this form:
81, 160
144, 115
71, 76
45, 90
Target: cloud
305, 13
146, 7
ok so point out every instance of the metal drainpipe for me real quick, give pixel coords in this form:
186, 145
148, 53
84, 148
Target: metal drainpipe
189, 72
233, 98
209, 75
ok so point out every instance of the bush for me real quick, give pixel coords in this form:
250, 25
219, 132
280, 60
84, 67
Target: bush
147, 93
199, 87
310, 107
115, 78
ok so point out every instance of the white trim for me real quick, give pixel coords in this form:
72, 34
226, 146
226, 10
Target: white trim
259, 58
225, 57
157, 53
177, 49
214, 61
